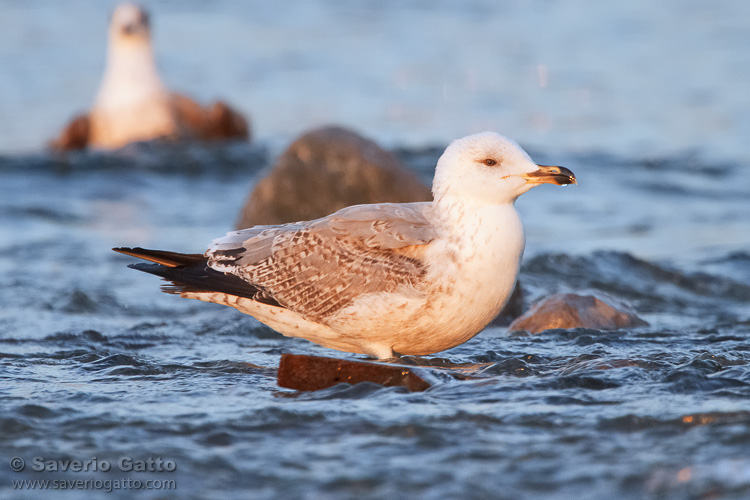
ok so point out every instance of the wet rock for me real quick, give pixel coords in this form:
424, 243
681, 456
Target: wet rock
325, 170
570, 310
312, 373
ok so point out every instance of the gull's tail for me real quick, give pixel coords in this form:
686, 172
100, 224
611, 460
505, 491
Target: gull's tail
190, 274
168, 259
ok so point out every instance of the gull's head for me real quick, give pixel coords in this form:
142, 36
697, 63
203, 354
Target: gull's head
130, 24
490, 168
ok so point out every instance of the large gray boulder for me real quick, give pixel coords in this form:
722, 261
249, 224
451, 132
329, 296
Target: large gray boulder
325, 170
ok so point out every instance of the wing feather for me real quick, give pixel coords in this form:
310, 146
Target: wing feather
317, 268
75, 135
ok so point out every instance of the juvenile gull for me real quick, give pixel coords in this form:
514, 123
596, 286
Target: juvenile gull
383, 279
134, 105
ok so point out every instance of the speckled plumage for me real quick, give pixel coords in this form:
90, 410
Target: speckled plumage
301, 265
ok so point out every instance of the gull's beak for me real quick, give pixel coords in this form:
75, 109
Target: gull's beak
551, 175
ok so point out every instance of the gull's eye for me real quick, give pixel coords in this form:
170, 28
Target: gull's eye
490, 162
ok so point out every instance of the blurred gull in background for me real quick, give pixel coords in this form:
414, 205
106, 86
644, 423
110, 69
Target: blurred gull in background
134, 105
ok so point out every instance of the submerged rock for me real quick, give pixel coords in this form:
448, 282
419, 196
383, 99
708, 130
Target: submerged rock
325, 170
312, 373
571, 310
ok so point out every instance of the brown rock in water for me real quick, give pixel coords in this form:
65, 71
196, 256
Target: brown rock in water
312, 373
570, 310
325, 170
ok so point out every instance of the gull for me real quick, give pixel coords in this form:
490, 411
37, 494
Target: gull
384, 279
134, 105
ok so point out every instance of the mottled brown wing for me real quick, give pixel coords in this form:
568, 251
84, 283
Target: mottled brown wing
217, 121
189, 114
75, 135
316, 268
224, 122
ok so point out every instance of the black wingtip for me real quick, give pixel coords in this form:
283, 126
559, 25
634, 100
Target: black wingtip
131, 251
200, 279
163, 257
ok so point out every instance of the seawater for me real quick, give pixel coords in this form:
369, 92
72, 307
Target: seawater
651, 78
646, 102
96, 362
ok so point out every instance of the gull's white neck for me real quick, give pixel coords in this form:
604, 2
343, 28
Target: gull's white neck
493, 231
485, 244
130, 77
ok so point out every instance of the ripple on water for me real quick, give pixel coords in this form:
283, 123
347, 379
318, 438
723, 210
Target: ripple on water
101, 363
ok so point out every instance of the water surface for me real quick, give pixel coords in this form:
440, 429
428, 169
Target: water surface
646, 102
96, 362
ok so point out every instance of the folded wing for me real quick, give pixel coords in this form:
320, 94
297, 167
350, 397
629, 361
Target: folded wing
316, 268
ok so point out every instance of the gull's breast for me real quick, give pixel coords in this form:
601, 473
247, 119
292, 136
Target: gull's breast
471, 278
